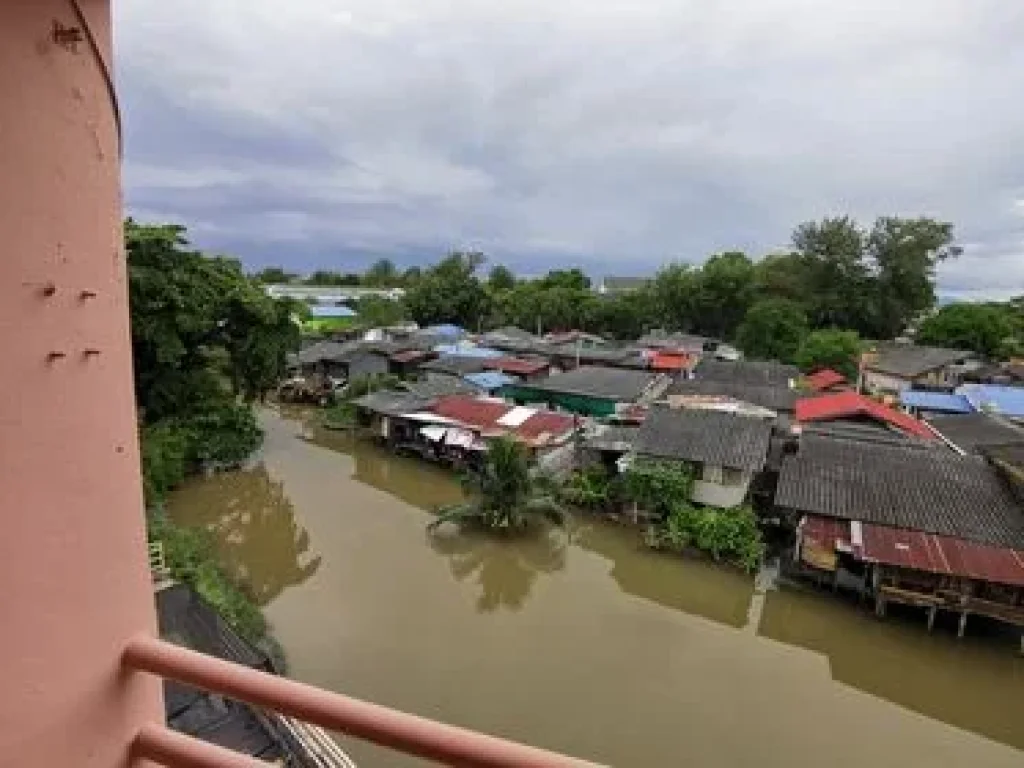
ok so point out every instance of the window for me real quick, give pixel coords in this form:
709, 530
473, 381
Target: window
732, 476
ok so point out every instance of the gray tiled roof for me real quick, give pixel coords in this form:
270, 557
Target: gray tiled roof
775, 396
930, 491
711, 437
391, 402
436, 385
972, 431
910, 360
459, 365
658, 338
748, 371
620, 384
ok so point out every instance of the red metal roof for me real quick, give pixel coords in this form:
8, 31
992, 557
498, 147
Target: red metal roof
841, 405
483, 415
942, 554
917, 550
410, 355
824, 379
664, 360
517, 365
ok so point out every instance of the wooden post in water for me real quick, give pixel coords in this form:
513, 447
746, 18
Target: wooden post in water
931, 616
963, 624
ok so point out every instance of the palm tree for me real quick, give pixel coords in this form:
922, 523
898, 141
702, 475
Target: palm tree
503, 495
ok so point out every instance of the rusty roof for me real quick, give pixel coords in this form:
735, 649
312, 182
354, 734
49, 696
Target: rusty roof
917, 550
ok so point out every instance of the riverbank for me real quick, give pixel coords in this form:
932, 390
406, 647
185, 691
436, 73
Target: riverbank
546, 639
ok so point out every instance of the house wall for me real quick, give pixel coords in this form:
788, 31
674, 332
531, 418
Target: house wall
875, 381
722, 494
360, 366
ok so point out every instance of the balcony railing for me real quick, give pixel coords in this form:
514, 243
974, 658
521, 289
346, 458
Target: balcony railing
387, 727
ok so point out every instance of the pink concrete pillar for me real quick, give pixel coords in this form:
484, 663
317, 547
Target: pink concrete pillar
74, 582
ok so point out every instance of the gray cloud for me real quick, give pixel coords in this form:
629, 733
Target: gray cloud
607, 134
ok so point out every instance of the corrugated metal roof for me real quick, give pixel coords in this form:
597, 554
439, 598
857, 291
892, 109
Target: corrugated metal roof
824, 379
917, 550
466, 350
847, 404
991, 398
484, 415
517, 365
672, 361
935, 401
331, 311
489, 380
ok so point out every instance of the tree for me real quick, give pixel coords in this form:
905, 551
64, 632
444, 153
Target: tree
379, 312
673, 292
987, 329
383, 274
831, 348
503, 494
903, 254
837, 278
326, 277
500, 279
773, 330
271, 275
725, 290
782, 276
449, 292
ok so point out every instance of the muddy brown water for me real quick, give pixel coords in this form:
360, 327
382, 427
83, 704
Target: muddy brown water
582, 641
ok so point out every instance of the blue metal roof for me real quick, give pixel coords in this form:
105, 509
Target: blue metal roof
467, 350
446, 329
935, 401
489, 380
331, 311
1006, 401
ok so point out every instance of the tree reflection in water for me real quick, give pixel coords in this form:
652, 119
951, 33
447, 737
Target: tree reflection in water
258, 537
506, 567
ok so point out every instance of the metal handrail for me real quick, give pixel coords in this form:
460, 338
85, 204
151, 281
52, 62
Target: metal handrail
407, 733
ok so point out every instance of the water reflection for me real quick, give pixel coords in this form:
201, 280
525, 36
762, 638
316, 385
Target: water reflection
255, 529
700, 587
504, 569
967, 683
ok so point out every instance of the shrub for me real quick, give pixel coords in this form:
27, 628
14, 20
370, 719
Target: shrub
725, 534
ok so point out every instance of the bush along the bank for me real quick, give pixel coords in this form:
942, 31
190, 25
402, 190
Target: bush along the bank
191, 559
594, 489
731, 535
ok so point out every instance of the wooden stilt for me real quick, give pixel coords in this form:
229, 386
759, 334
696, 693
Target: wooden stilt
963, 624
880, 607
931, 616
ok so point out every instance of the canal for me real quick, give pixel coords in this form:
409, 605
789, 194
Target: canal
582, 641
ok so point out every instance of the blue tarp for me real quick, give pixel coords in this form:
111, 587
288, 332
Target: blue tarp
1006, 401
489, 380
331, 311
935, 401
466, 350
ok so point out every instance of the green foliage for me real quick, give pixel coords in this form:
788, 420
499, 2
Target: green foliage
326, 277
222, 434
725, 291
500, 279
380, 312
658, 485
364, 385
449, 292
992, 330
164, 448
593, 488
382, 274
831, 348
773, 329
726, 534
190, 556
504, 495
271, 275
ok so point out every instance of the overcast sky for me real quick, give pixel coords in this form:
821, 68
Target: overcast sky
609, 134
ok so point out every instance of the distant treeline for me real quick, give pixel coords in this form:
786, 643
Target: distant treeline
873, 282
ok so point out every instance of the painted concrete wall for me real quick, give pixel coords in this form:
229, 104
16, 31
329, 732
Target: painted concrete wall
72, 555
716, 495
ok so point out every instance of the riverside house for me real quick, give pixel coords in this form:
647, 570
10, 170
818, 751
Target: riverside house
726, 450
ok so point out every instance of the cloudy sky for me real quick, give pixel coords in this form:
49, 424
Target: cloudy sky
609, 134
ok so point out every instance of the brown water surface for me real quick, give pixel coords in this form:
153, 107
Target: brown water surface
581, 641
